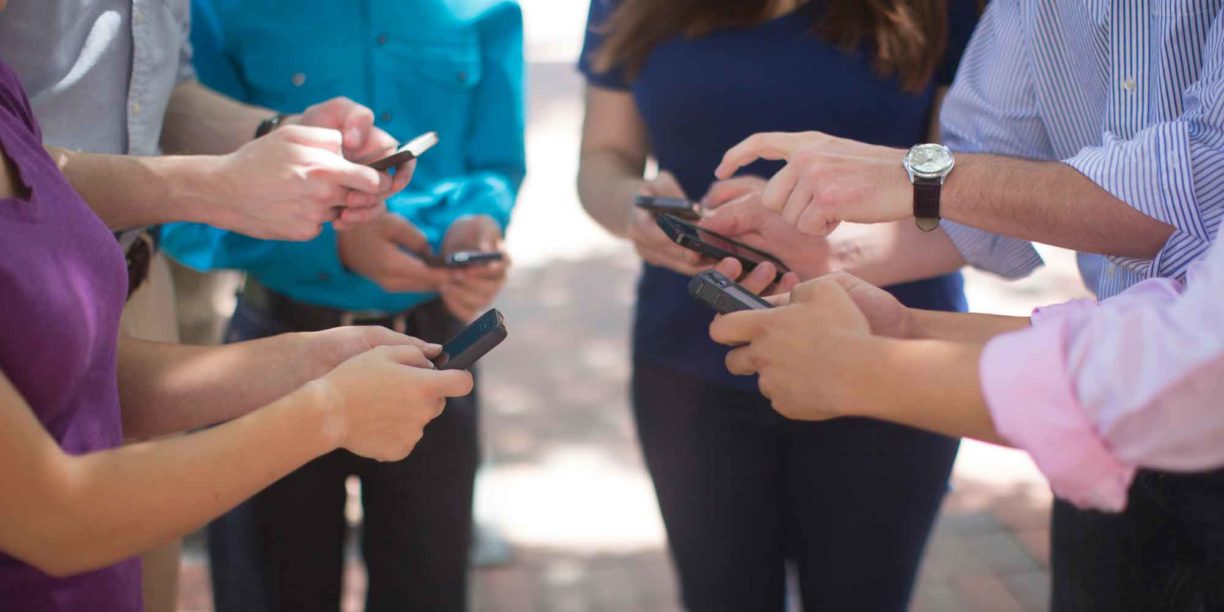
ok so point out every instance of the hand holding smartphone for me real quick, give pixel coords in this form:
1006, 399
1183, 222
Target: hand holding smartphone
463, 259
679, 207
724, 295
474, 342
716, 246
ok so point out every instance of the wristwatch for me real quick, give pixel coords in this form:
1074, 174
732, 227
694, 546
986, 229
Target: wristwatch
271, 123
928, 165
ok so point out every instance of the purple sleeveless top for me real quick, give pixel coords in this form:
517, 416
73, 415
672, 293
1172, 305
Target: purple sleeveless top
62, 286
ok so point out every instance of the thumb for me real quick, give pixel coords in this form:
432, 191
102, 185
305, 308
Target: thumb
357, 127
407, 235
454, 383
735, 218
317, 137
406, 354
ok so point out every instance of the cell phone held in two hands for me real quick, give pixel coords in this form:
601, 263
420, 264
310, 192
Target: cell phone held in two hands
717, 246
679, 207
463, 259
474, 342
724, 295
407, 152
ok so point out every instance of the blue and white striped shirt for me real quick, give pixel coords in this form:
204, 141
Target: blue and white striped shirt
1128, 92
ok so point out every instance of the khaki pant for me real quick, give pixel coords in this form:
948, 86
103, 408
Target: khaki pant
150, 315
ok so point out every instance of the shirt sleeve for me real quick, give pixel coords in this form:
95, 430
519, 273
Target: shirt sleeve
597, 20
992, 108
1171, 171
1094, 392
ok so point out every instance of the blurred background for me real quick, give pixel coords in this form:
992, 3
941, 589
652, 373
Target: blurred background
567, 514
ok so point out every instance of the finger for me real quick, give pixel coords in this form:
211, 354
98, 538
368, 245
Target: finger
406, 355
779, 189
358, 125
769, 145
730, 268
740, 363
731, 189
320, 138
738, 217
352, 176
760, 278
738, 327
403, 176
454, 383
355, 216
384, 336
406, 235
778, 299
797, 203
789, 280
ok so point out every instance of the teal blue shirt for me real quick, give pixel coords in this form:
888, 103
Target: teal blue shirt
451, 66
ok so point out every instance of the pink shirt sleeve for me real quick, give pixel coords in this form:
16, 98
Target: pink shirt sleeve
1094, 391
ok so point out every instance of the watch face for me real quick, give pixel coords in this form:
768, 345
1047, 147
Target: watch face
929, 160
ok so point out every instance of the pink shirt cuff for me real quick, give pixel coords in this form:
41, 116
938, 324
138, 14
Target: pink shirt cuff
1025, 382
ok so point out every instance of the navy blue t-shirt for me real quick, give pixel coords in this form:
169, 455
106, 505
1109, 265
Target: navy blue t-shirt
699, 97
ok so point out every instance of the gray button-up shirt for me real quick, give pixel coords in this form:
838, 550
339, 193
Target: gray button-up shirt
99, 73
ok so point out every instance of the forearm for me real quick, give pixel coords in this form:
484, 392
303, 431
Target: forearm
607, 183
961, 327
891, 253
927, 384
1048, 202
200, 121
66, 514
168, 388
127, 192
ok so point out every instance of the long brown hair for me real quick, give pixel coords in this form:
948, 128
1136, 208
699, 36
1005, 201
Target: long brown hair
908, 37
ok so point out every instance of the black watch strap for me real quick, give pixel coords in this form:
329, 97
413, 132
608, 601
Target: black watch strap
271, 123
926, 203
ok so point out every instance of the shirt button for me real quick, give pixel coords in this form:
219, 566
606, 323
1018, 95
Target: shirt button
1129, 84
382, 39
299, 79
135, 108
462, 77
386, 116
138, 17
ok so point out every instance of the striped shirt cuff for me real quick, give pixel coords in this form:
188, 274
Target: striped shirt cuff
1010, 258
1032, 402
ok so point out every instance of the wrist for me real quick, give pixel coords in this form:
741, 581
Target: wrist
197, 189
323, 411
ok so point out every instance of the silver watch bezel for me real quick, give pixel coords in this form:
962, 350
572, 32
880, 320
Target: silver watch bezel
916, 174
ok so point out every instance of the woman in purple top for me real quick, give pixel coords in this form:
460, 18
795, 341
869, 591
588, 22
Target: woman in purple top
75, 506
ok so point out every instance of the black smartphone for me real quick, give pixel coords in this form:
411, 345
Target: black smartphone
717, 246
463, 259
407, 152
684, 209
474, 342
723, 294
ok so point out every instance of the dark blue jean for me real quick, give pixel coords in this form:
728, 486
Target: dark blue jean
283, 549
744, 492
1166, 552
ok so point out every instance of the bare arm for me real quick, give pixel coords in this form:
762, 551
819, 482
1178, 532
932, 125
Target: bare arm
200, 121
1048, 202
168, 388
612, 159
67, 514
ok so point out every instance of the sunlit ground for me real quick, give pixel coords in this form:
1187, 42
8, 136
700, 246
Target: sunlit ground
563, 482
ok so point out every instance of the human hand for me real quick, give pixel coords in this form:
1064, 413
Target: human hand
318, 353
469, 291
827, 180
381, 400
651, 244
362, 143
797, 348
377, 251
761, 280
734, 188
286, 185
747, 221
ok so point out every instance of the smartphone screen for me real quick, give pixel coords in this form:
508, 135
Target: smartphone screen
725, 244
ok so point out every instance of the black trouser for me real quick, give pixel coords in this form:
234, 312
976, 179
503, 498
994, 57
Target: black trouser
744, 491
283, 549
1166, 552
